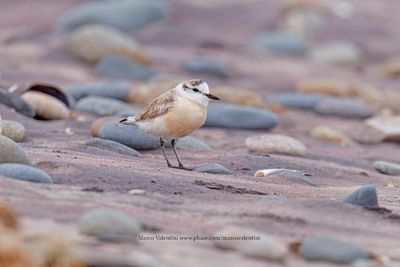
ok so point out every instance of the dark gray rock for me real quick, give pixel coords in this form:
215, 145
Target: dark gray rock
24, 172
118, 90
347, 108
387, 167
207, 66
214, 168
128, 135
123, 14
281, 43
115, 66
11, 152
240, 117
319, 248
366, 196
296, 100
101, 106
17, 103
112, 146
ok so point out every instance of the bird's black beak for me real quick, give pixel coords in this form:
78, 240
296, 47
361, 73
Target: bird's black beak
210, 96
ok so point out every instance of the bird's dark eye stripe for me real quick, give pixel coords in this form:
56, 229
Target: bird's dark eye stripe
195, 90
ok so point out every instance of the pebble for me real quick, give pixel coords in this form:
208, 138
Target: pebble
276, 144
337, 53
328, 134
387, 127
387, 167
296, 100
92, 43
207, 66
262, 246
8, 217
11, 152
213, 168
16, 102
318, 248
346, 108
24, 172
112, 146
128, 135
117, 90
125, 15
144, 94
281, 43
392, 67
115, 66
293, 175
325, 86
238, 96
233, 116
366, 196
193, 143
101, 106
97, 124
46, 107
304, 22
13, 130
1, 125
106, 222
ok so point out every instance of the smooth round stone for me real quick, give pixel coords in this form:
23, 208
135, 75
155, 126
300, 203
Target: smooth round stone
238, 96
16, 102
98, 123
347, 108
191, 143
292, 175
296, 100
101, 106
106, 222
366, 196
338, 53
281, 43
46, 107
13, 130
112, 146
124, 14
276, 144
328, 134
207, 66
214, 168
128, 135
117, 90
11, 152
240, 117
92, 43
325, 86
387, 167
115, 66
318, 248
387, 127
24, 173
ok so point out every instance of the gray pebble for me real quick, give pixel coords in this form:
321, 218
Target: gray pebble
214, 168
281, 43
11, 152
101, 106
387, 167
24, 172
118, 90
16, 102
347, 108
207, 66
366, 196
296, 100
112, 146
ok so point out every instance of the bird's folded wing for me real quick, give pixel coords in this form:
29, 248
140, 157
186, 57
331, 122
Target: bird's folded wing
159, 106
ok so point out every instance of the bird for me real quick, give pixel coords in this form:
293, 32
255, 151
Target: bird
174, 114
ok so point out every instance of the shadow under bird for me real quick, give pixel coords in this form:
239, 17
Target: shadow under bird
175, 114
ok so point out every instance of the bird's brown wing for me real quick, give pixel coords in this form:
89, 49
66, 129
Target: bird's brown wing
159, 106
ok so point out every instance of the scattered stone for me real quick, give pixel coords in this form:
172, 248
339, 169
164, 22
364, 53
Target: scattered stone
238, 96
281, 43
366, 196
97, 124
53, 91
325, 86
115, 66
293, 175
117, 90
125, 15
317, 248
16, 102
392, 67
101, 106
347, 108
214, 168
193, 143
328, 134
368, 263
338, 53
275, 143
128, 135
92, 43
146, 93
8, 217
13, 130
24, 173
136, 192
296, 100
257, 244
387, 127
234, 116
46, 107
304, 22
105, 222
112, 146
12, 152
387, 167
207, 66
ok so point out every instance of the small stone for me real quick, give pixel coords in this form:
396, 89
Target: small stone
367, 263
207, 66
136, 192
112, 146
146, 93
46, 107
347, 108
337, 53
328, 134
97, 124
275, 143
304, 22
12, 152
8, 216
128, 135
387, 167
101, 106
318, 248
293, 175
281, 43
392, 67
25, 173
214, 168
234, 116
115, 66
92, 43
325, 86
296, 100
193, 143
106, 222
366, 196
387, 127
238, 96
251, 243
13, 130
117, 90
16, 102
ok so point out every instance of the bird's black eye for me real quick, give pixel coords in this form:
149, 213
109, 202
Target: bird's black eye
195, 90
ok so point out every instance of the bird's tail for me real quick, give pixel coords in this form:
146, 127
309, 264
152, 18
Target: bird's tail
129, 120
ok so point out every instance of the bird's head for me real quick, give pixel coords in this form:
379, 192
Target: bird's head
196, 90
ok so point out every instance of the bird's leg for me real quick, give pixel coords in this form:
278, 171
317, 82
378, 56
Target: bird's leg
173, 142
165, 154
